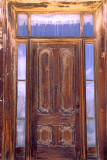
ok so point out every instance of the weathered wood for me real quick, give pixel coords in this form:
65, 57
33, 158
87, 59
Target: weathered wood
8, 88
57, 126
1, 80
56, 119
20, 153
4, 31
1, 100
7, 113
92, 153
57, 153
28, 101
105, 54
55, 6
100, 84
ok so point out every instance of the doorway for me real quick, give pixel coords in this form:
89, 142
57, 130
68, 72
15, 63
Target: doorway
55, 114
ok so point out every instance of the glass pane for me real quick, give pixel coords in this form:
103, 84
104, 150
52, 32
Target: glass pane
21, 61
20, 140
21, 99
55, 25
88, 25
22, 25
89, 61
91, 132
90, 99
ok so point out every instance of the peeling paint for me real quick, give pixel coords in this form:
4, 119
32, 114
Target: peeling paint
55, 5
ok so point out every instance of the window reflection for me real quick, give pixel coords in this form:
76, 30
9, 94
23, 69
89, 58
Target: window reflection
90, 99
55, 25
91, 132
90, 95
22, 25
21, 99
89, 61
21, 95
21, 62
20, 141
88, 25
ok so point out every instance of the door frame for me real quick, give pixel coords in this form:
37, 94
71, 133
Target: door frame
82, 117
9, 107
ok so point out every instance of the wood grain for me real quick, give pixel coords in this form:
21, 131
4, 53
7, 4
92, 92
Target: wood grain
8, 60
56, 78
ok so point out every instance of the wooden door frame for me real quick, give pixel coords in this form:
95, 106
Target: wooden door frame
82, 96
8, 105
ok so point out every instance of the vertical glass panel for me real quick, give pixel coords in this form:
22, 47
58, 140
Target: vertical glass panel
90, 99
91, 132
21, 61
88, 25
55, 25
20, 140
22, 25
21, 99
89, 61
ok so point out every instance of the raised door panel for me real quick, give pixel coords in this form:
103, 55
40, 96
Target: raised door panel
45, 80
66, 80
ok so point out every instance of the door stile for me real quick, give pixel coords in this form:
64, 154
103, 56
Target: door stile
83, 106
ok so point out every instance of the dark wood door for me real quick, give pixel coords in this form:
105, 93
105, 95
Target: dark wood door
55, 112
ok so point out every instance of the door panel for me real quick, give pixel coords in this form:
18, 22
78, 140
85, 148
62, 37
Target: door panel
66, 74
55, 120
45, 79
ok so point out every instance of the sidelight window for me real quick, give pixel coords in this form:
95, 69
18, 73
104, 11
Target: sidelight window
90, 95
21, 95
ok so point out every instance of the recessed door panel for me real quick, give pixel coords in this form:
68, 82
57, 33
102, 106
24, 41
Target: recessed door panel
45, 80
66, 75
55, 119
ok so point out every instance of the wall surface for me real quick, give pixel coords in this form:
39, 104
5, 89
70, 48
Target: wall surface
100, 72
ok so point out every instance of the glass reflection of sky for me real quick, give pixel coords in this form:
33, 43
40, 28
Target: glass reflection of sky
21, 99
55, 25
22, 25
20, 133
90, 99
90, 104
88, 25
21, 95
91, 132
21, 61
89, 61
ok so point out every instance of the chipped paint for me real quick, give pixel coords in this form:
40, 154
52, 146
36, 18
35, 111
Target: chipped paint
55, 5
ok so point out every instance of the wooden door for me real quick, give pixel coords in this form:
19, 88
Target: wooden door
55, 111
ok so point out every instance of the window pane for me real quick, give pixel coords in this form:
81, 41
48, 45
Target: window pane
90, 99
55, 25
91, 132
21, 61
22, 25
21, 99
88, 25
20, 140
89, 61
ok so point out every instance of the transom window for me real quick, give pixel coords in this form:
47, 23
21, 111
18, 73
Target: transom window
55, 25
